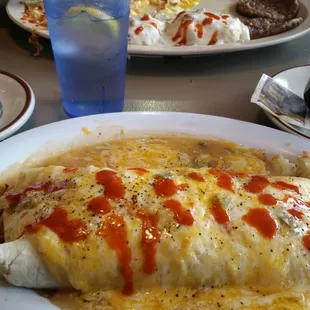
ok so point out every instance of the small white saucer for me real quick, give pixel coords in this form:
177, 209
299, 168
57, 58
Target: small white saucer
295, 79
17, 103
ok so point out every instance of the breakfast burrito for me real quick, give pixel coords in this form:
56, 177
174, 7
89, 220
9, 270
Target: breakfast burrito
95, 228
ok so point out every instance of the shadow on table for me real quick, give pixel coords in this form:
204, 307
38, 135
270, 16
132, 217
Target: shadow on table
38, 118
263, 119
21, 37
30, 124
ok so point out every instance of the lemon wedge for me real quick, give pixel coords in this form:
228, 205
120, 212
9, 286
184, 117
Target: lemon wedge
96, 13
101, 21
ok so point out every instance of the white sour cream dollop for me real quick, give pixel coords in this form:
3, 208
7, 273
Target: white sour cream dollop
199, 27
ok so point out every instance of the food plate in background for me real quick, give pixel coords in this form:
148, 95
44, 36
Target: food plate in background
17, 102
295, 79
15, 10
20, 147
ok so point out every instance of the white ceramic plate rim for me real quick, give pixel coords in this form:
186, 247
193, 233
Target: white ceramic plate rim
280, 124
26, 112
21, 146
248, 134
15, 9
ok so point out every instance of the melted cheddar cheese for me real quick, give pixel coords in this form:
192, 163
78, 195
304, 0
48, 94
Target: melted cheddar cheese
132, 229
165, 152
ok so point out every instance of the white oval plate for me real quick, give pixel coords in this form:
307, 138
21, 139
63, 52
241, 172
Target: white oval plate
295, 79
15, 10
20, 147
16, 103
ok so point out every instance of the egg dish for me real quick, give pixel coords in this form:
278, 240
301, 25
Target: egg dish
141, 6
182, 23
160, 222
165, 22
34, 9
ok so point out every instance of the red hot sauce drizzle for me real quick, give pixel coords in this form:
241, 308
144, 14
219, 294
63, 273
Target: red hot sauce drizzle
283, 186
183, 187
186, 24
154, 25
213, 39
179, 14
224, 180
182, 32
181, 215
296, 213
196, 176
99, 205
70, 169
150, 238
261, 219
68, 230
57, 187
138, 30
199, 30
259, 183
114, 232
256, 185
113, 185
306, 241
207, 21
295, 201
211, 15
46, 187
139, 171
219, 213
165, 187
267, 199
145, 17
15, 198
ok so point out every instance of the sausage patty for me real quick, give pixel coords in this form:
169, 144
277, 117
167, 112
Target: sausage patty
269, 17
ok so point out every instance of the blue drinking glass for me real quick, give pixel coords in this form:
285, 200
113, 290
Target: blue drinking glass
89, 41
